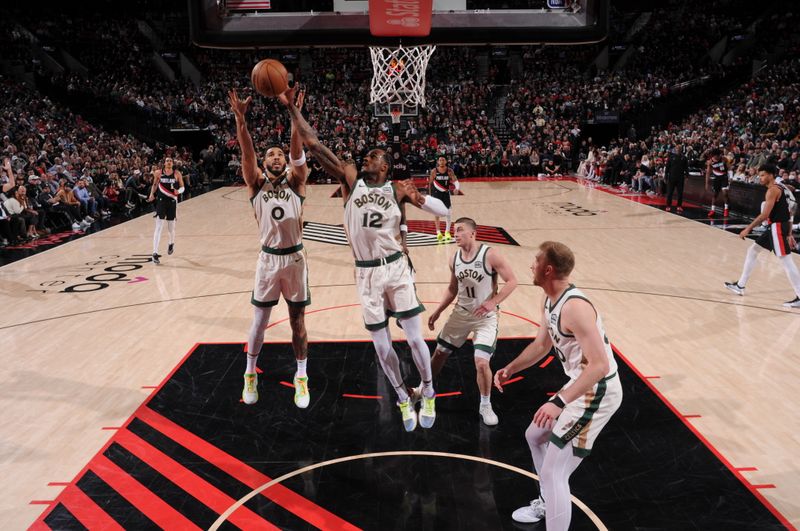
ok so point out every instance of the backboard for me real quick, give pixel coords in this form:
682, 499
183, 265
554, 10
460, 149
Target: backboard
312, 23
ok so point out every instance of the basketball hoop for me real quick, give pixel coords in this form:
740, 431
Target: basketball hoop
398, 75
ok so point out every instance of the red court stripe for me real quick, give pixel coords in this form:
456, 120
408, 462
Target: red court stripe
512, 380
41, 502
289, 500
454, 393
691, 416
149, 387
193, 484
153, 507
58, 484
111, 428
87, 511
652, 377
746, 469
764, 486
287, 384
374, 397
546, 362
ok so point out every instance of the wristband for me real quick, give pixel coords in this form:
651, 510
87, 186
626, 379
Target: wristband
558, 401
180, 190
404, 228
300, 161
457, 185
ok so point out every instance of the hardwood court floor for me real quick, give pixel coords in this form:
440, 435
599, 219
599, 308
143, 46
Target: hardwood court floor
76, 363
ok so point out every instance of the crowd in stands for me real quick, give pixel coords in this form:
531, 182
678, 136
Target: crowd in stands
58, 168
59, 171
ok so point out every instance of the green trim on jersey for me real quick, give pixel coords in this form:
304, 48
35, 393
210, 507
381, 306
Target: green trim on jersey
558, 323
408, 313
282, 251
551, 306
460, 257
583, 422
444, 343
377, 326
260, 304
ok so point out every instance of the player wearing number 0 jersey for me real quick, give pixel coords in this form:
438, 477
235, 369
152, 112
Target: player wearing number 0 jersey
564, 429
383, 273
277, 197
473, 281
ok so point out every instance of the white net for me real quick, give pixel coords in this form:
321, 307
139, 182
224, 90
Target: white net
398, 74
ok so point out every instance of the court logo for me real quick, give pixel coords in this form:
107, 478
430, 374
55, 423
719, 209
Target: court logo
570, 209
106, 271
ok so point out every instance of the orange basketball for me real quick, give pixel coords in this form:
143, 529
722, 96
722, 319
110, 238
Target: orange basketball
270, 78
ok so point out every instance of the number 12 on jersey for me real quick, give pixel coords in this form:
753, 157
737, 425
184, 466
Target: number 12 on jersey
373, 220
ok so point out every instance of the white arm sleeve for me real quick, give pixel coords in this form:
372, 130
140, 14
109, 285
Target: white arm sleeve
434, 206
457, 185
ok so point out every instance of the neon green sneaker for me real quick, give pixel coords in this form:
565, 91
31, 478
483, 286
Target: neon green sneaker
250, 391
447, 237
301, 394
439, 236
427, 413
409, 414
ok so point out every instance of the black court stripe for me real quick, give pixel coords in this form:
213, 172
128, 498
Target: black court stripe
221, 480
62, 519
113, 503
172, 494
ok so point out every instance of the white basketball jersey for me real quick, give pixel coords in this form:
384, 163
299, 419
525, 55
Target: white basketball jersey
567, 348
476, 279
372, 220
279, 212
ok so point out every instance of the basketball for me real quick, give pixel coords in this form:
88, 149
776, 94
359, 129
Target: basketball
270, 78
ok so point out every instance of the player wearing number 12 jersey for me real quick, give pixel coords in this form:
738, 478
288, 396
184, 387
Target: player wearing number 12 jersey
373, 219
277, 196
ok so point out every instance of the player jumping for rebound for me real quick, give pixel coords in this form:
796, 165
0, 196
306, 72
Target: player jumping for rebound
277, 196
473, 279
167, 187
439, 187
383, 274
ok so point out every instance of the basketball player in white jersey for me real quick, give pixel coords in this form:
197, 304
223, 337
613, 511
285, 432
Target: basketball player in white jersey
439, 187
564, 429
383, 275
167, 187
277, 196
473, 279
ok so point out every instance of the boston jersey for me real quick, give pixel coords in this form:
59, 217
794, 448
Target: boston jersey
372, 220
566, 346
279, 212
441, 182
477, 282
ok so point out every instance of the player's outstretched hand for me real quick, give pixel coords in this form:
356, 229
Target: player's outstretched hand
293, 96
238, 106
500, 378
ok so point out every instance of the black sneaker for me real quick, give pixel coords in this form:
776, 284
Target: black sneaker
736, 288
171, 248
793, 304
156, 257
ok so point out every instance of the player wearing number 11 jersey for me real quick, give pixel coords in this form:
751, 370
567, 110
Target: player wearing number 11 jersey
373, 219
473, 279
277, 197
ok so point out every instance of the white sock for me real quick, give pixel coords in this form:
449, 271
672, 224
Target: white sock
255, 339
389, 361
791, 271
251, 363
301, 368
726, 206
447, 224
749, 264
486, 400
157, 234
421, 354
171, 230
